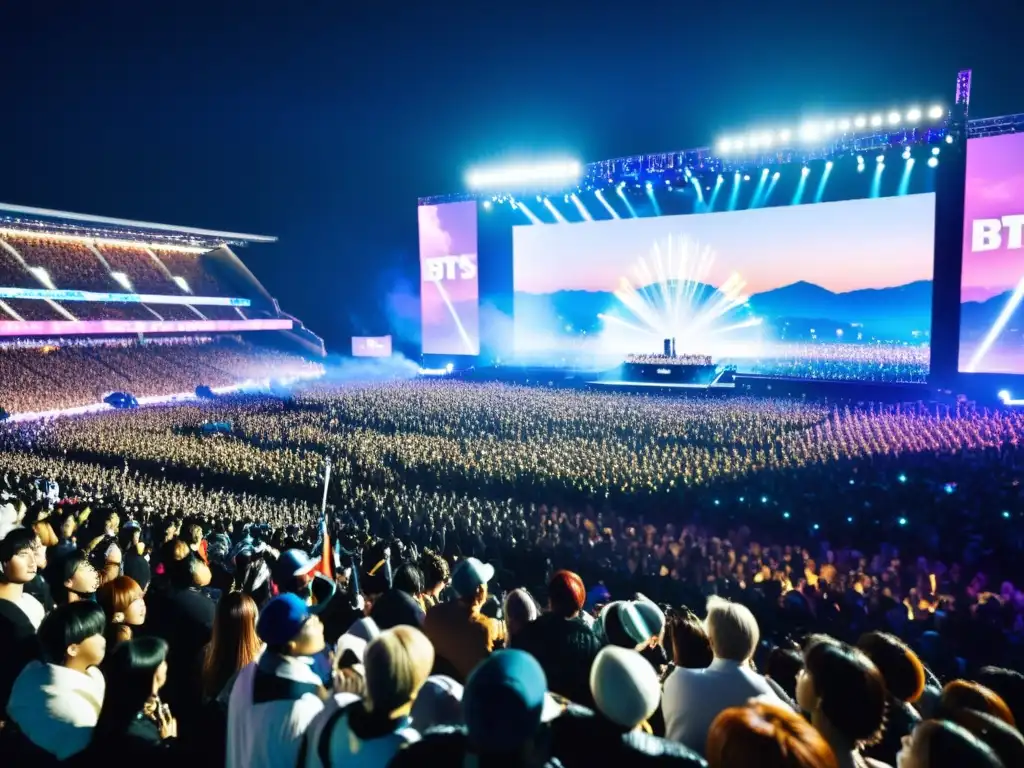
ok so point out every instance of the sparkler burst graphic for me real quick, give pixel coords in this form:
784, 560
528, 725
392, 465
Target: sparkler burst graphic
669, 295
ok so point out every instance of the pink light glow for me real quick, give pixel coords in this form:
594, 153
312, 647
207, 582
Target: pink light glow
103, 327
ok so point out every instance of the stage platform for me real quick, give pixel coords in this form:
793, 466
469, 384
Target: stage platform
691, 385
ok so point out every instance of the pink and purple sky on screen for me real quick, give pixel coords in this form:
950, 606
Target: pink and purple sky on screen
841, 246
995, 188
447, 230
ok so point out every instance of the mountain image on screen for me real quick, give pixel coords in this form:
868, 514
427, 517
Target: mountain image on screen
897, 313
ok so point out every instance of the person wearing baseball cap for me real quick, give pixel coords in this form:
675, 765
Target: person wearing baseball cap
275, 698
561, 641
461, 635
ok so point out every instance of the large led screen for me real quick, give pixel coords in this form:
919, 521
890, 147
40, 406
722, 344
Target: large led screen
832, 291
449, 297
992, 282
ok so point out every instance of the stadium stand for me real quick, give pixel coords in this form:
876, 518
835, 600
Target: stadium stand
65, 374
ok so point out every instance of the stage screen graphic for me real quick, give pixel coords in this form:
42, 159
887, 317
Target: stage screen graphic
371, 346
449, 294
992, 281
832, 291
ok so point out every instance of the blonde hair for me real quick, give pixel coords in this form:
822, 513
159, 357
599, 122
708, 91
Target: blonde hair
732, 629
396, 665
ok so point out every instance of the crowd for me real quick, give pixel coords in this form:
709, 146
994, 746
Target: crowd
78, 265
517, 576
836, 361
669, 360
65, 373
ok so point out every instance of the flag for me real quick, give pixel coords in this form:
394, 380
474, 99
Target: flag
325, 566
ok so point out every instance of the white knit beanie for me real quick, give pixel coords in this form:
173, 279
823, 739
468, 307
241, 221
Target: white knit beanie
625, 686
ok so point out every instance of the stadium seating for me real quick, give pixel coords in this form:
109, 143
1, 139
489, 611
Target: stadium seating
71, 265
67, 375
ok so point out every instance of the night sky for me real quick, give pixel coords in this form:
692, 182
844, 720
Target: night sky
322, 122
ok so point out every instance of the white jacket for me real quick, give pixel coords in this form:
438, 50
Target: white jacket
355, 740
272, 702
693, 698
56, 707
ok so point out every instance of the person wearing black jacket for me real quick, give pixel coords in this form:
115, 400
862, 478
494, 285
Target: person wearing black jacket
134, 727
18, 644
626, 691
560, 640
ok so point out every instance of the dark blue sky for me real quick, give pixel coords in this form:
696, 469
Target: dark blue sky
321, 122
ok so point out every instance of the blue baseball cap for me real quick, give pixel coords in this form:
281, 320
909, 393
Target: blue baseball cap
470, 575
293, 563
282, 619
504, 701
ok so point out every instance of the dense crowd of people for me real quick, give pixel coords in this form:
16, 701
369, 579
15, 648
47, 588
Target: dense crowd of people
838, 361
514, 576
66, 373
694, 360
80, 265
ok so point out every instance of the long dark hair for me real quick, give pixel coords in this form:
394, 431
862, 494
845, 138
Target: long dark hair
129, 672
234, 642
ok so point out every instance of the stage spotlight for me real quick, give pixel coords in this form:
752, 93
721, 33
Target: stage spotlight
936, 112
876, 121
860, 159
880, 159
894, 118
449, 367
828, 166
542, 173
724, 146
738, 174
860, 122
860, 168
913, 115
935, 150
810, 131
720, 178
949, 139
739, 146
785, 135
746, 177
540, 199
844, 125
775, 176
649, 185
487, 205
906, 153
932, 162
804, 171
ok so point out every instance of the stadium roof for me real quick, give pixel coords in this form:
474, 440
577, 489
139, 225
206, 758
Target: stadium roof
87, 225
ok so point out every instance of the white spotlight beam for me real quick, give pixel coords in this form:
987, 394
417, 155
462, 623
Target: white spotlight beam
993, 333
606, 204
534, 219
580, 207
554, 211
555, 173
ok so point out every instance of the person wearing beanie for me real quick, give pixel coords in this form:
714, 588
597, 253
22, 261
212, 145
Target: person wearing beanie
506, 708
275, 698
622, 625
563, 644
693, 698
626, 691
462, 636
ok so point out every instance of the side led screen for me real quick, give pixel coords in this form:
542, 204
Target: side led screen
371, 346
837, 290
992, 281
449, 294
